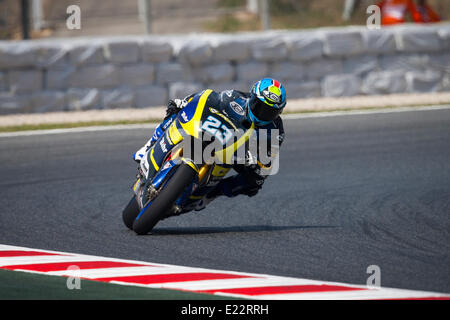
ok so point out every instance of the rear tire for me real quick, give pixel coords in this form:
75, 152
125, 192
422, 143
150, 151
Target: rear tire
130, 213
165, 199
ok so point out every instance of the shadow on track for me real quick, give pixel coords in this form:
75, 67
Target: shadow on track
231, 229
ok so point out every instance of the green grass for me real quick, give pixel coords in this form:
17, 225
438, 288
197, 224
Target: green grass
15, 285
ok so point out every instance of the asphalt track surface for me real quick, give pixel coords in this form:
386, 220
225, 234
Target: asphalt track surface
352, 191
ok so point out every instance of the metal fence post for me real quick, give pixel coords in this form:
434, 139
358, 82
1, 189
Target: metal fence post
146, 13
36, 8
25, 18
264, 14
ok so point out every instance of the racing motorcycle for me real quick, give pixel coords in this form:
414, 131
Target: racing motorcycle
172, 179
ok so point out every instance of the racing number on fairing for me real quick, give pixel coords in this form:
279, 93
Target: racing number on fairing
215, 127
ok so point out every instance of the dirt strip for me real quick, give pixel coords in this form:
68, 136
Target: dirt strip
299, 105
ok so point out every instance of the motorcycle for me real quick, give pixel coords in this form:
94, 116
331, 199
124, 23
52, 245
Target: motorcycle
172, 179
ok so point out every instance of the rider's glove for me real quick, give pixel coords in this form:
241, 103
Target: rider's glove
174, 106
250, 160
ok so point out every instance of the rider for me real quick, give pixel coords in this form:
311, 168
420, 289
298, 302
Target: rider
262, 106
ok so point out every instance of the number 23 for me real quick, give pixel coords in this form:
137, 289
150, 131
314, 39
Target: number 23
215, 127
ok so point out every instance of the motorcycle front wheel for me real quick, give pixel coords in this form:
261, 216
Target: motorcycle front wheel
130, 213
165, 200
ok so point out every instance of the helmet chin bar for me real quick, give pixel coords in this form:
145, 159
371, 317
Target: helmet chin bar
252, 118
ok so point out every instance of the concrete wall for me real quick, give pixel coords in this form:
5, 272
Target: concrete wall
137, 72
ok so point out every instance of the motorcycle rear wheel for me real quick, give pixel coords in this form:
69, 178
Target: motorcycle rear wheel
165, 199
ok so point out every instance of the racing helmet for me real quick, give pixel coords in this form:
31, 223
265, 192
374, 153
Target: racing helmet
267, 100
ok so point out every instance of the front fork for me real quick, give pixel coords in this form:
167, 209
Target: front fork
147, 189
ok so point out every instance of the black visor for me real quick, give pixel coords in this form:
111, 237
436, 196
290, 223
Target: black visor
262, 111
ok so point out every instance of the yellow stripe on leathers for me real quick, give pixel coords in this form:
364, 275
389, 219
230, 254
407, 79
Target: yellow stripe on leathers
219, 171
193, 126
174, 135
153, 160
225, 155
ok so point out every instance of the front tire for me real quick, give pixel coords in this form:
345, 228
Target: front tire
130, 213
165, 199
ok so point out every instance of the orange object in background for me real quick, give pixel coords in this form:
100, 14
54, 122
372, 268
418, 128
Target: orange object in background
394, 11
427, 14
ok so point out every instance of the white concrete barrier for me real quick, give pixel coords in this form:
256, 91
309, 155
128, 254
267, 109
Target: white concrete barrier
142, 71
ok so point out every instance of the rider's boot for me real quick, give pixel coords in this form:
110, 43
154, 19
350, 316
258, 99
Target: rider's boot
204, 202
209, 197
